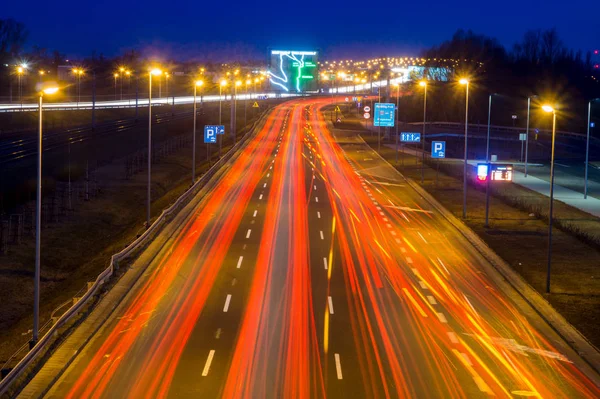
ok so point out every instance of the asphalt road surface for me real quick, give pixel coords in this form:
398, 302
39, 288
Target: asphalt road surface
313, 270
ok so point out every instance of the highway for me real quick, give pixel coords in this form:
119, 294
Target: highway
313, 270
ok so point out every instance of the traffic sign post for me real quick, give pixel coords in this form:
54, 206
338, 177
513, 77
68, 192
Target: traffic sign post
410, 137
210, 136
522, 138
384, 114
438, 151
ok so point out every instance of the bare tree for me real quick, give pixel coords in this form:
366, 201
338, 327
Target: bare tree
12, 37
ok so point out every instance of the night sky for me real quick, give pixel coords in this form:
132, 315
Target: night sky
233, 30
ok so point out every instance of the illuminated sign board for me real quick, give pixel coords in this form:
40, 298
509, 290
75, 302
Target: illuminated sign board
496, 172
293, 71
384, 114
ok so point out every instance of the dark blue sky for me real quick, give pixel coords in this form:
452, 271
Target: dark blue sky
340, 29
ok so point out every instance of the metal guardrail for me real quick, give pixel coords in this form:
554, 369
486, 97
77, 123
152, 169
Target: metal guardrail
140, 242
141, 102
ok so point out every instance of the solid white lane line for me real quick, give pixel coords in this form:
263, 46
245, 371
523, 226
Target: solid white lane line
255, 213
330, 304
452, 337
442, 317
209, 359
325, 263
431, 300
322, 236
319, 214
338, 366
227, 300
421, 235
260, 197
248, 233
239, 264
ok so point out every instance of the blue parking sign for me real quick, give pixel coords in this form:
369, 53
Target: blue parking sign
438, 149
210, 133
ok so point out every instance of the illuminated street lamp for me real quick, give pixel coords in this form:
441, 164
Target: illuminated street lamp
423, 84
128, 74
233, 121
153, 72
50, 89
122, 72
41, 74
116, 75
197, 84
587, 147
550, 109
465, 82
20, 71
78, 72
487, 161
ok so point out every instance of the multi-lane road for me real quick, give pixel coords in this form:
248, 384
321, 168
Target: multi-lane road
313, 270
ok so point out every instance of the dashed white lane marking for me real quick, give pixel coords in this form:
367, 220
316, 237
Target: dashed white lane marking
260, 197
255, 213
409, 260
393, 233
464, 356
423, 285
338, 366
452, 337
218, 333
389, 226
209, 359
330, 304
265, 185
239, 264
431, 300
403, 250
322, 236
397, 240
319, 214
227, 300
325, 263
316, 199
385, 219
315, 186
248, 233
381, 213
442, 318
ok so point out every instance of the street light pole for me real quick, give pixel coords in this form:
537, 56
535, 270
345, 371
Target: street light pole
194, 140
548, 108
587, 147
397, 118
424, 85
148, 193
487, 161
38, 222
465, 82
527, 132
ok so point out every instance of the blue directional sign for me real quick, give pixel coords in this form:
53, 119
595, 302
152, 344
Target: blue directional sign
438, 149
410, 137
384, 114
210, 133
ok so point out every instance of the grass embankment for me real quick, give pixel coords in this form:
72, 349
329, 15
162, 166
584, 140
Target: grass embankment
518, 233
77, 249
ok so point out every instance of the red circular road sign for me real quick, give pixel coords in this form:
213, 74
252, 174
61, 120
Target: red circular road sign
367, 115
367, 108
